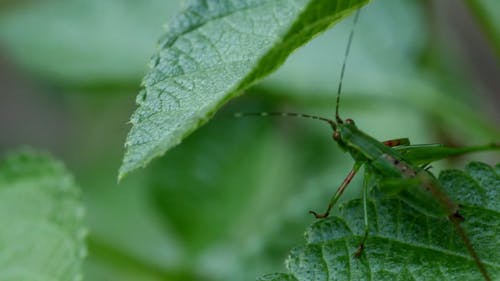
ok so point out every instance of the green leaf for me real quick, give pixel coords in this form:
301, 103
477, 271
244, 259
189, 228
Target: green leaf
403, 243
41, 218
200, 180
211, 52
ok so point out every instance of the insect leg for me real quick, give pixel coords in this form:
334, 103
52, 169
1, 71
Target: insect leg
427, 153
461, 232
339, 192
361, 246
454, 217
396, 142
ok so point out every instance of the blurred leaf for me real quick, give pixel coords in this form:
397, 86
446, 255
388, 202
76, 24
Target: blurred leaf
487, 13
218, 183
128, 240
377, 70
237, 208
212, 51
84, 42
41, 218
404, 244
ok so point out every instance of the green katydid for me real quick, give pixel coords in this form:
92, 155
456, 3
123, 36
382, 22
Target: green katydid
396, 166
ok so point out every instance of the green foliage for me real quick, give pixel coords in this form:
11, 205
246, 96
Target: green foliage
230, 202
41, 218
211, 52
405, 244
84, 42
236, 208
486, 12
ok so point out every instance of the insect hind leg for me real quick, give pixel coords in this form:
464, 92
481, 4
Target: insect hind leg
397, 142
361, 246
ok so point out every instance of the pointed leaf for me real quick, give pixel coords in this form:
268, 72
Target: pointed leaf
212, 51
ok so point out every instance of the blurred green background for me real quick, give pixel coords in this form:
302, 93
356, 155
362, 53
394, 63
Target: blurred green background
230, 201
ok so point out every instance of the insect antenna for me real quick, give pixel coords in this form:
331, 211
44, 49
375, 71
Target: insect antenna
287, 114
342, 71
339, 90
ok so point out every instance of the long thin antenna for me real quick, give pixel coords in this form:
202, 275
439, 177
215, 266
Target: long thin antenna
288, 114
348, 48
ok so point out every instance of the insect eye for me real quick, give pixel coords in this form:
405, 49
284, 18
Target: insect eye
349, 121
336, 135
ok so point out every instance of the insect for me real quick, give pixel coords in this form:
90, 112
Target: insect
396, 166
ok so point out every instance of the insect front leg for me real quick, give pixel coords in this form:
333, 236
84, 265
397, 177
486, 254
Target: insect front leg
339, 192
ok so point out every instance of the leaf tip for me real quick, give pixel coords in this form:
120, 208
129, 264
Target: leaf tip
122, 172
